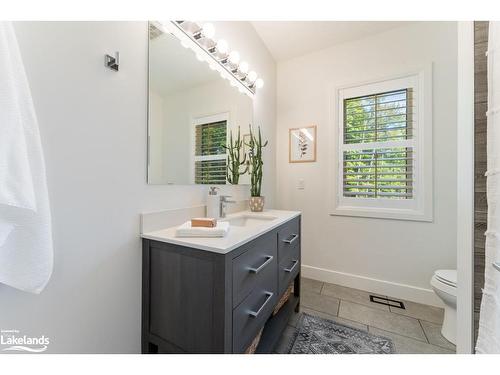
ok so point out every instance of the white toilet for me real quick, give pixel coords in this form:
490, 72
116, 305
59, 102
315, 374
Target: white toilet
444, 283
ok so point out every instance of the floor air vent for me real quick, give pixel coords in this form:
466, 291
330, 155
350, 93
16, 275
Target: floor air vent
387, 302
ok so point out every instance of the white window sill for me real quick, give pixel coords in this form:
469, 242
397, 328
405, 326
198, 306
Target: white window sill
382, 213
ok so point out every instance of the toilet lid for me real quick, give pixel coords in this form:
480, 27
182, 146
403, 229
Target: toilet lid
447, 276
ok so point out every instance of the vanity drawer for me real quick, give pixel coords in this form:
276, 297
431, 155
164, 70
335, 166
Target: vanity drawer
288, 237
288, 268
252, 313
257, 263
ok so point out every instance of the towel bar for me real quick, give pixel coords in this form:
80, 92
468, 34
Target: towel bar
496, 266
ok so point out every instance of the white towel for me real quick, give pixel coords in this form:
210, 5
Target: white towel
186, 230
489, 322
26, 253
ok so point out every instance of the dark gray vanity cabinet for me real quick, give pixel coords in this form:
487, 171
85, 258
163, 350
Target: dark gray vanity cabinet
196, 301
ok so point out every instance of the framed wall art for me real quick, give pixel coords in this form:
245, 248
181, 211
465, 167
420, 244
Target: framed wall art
302, 145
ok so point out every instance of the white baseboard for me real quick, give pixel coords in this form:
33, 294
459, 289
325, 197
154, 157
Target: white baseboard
386, 288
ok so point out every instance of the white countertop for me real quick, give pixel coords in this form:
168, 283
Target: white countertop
237, 236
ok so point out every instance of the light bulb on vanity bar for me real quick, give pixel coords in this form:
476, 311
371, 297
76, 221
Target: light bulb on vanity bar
189, 27
234, 57
208, 30
222, 47
243, 68
259, 83
252, 76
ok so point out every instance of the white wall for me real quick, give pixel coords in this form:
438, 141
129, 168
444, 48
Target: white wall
93, 128
385, 256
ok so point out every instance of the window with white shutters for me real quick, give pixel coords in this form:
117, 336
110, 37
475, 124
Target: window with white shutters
384, 160
378, 147
210, 153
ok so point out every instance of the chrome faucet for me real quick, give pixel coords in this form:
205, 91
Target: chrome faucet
222, 205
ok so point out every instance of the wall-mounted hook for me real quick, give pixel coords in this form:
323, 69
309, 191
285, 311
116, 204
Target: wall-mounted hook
112, 62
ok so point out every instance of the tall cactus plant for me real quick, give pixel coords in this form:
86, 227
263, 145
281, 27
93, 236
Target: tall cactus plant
234, 162
256, 163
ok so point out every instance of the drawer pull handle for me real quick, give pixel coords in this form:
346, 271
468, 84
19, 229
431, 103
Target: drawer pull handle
269, 259
291, 239
255, 314
295, 262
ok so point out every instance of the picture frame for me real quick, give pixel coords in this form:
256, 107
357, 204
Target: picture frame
302, 144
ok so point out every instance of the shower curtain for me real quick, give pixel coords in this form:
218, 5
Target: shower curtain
489, 321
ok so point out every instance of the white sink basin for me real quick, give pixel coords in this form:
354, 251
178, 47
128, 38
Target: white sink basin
249, 220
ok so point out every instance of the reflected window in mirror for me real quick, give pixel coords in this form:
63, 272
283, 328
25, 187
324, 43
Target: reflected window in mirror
210, 156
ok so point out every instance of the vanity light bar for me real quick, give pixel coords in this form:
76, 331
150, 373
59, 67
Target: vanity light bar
216, 54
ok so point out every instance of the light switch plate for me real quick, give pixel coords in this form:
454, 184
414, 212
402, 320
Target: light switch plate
301, 184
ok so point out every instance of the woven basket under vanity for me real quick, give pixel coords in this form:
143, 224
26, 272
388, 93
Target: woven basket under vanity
284, 299
253, 346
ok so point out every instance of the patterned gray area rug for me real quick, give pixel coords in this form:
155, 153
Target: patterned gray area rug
315, 335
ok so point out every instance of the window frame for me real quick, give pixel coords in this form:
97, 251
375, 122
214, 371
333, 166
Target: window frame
418, 208
201, 120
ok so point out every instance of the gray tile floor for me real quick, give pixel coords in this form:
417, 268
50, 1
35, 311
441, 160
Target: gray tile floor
415, 330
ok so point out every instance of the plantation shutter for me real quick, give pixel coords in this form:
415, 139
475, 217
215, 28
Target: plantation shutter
210, 153
378, 149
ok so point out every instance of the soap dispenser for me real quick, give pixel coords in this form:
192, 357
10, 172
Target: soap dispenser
213, 202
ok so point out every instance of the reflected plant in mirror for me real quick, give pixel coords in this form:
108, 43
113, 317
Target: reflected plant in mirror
234, 162
255, 155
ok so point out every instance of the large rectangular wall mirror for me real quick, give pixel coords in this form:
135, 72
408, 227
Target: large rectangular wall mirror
192, 111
